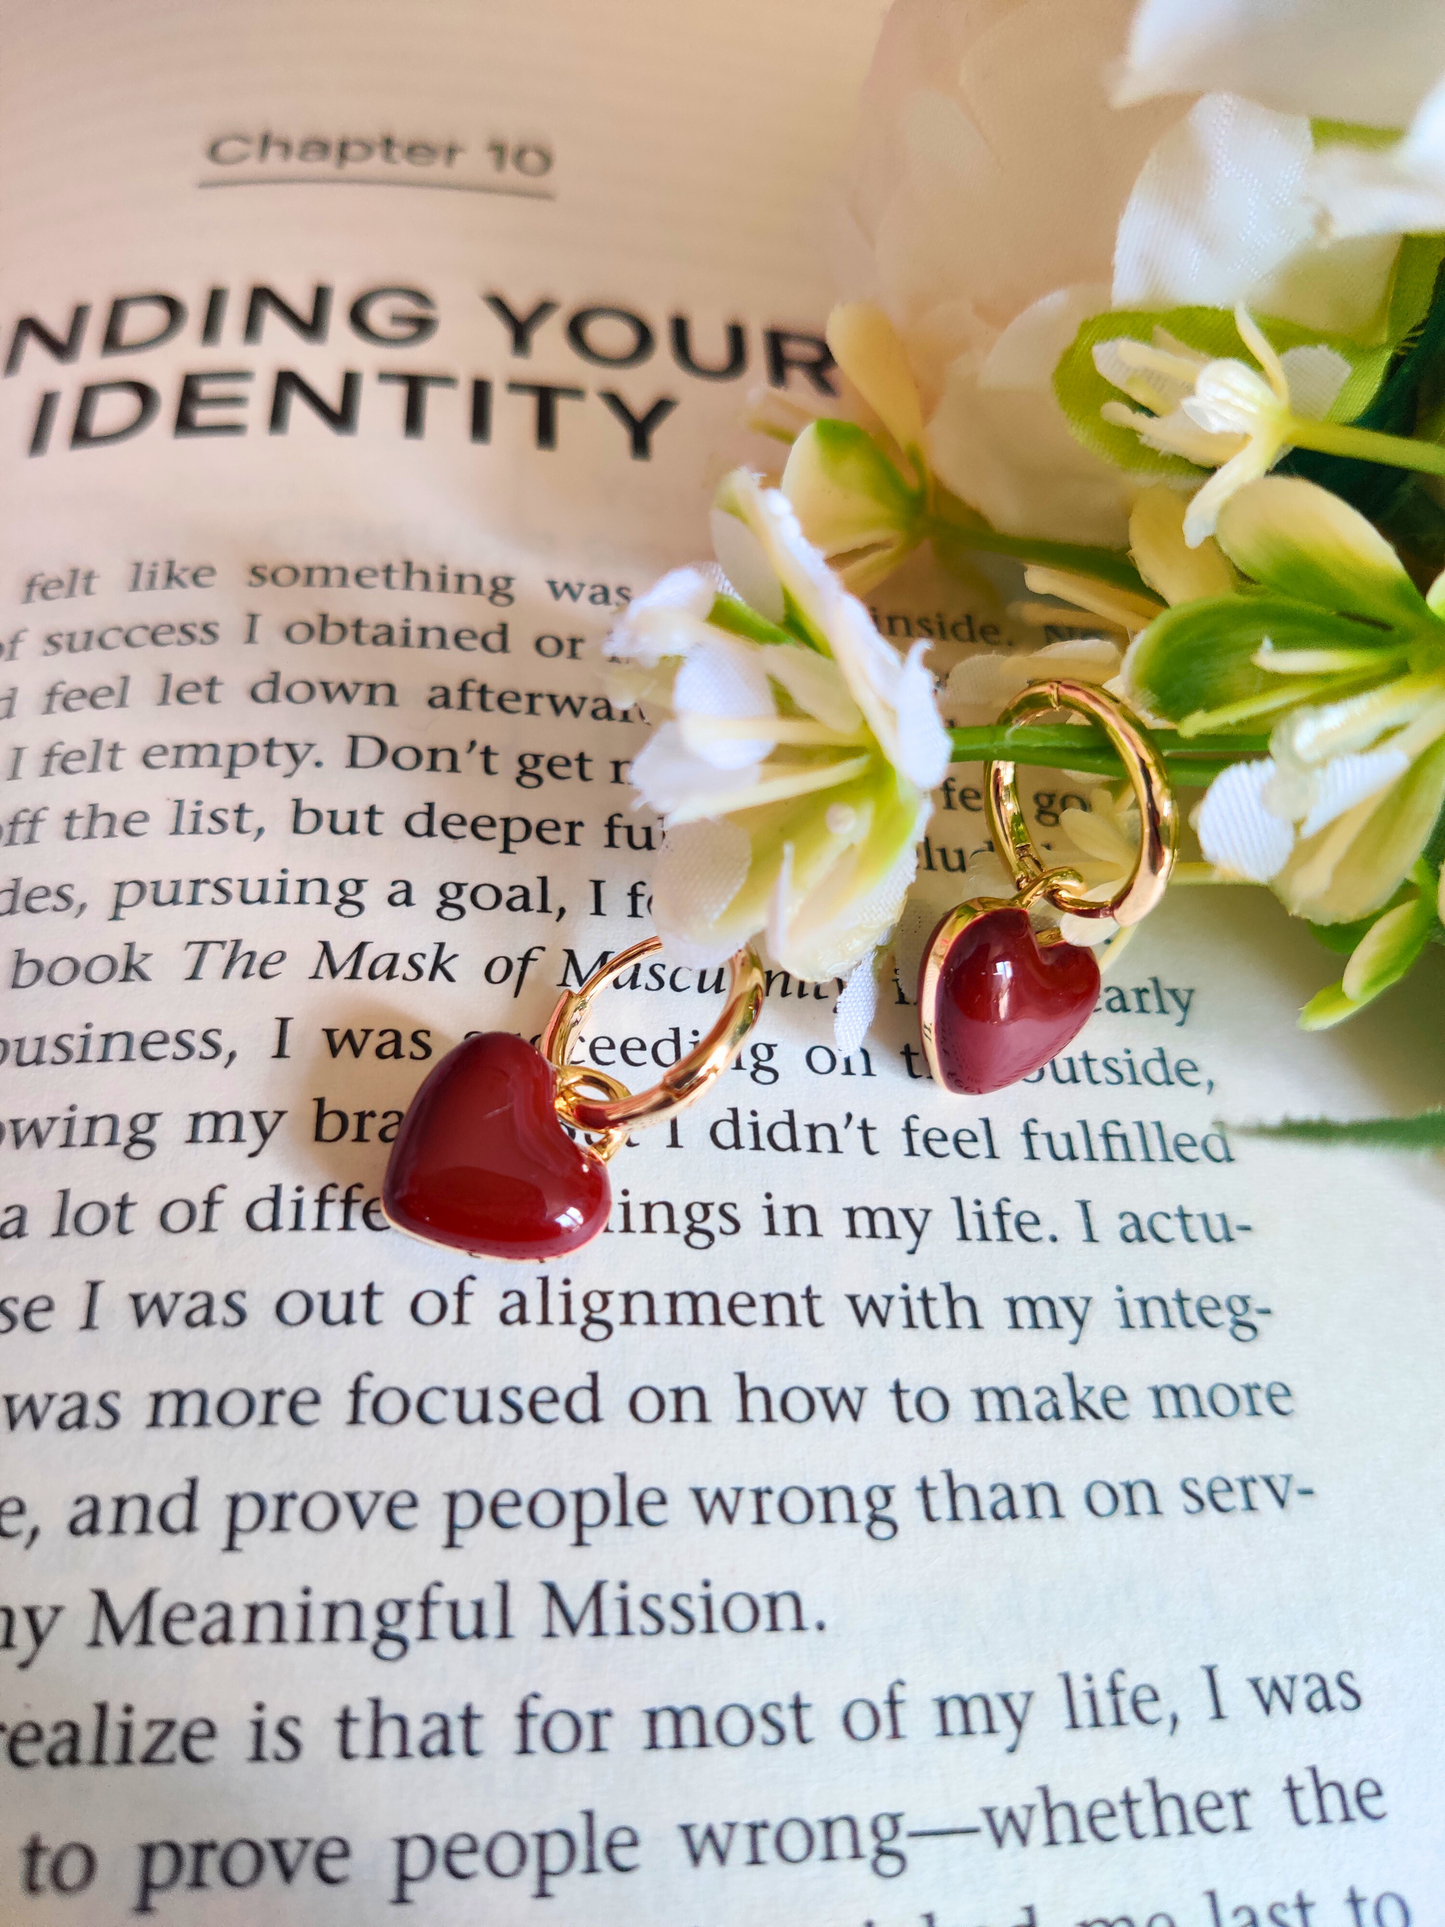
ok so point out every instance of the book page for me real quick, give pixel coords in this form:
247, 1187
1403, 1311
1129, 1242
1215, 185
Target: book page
1011, 1512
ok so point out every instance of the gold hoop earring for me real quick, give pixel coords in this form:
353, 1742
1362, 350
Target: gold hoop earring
996, 1001
483, 1162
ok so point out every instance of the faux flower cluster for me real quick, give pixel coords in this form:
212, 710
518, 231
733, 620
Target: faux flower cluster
1149, 298
795, 770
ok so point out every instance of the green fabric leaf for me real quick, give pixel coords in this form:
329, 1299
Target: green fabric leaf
1423, 1132
1198, 656
1416, 268
1299, 539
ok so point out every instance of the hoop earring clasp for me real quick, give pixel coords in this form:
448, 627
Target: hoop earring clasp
1148, 778
611, 1116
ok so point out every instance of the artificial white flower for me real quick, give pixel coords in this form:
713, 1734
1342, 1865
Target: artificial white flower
857, 503
1308, 60
1338, 813
995, 202
1222, 413
1225, 210
793, 776
982, 199
1337, 645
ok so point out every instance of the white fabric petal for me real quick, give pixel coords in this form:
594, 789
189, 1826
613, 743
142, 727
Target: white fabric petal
871, 668
1349, 780
692, 589
1084, 658
1088, 933
668, 620
815, 684
855, 1009
850, 911
801, 571
1098, 834
1315, 374
987, 204
1253, 460
723, 677
1422, 151
1339, 59
1339, 286
1218, 205
986, 681
1365, 193
700, 871
1164, 559
780, 909
746, 566
667, 775
1225, 210
1319, 732
866, 346
924, 748
1236, 832
1011, 454
1027, 352
1402, 190
989, 679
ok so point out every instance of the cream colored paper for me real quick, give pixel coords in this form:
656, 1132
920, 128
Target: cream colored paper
1232, 1601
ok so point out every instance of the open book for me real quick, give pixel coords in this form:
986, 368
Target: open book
1005, 1513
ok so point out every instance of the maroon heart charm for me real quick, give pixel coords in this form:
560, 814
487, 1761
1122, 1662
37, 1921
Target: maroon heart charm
996, 1006
482, 1163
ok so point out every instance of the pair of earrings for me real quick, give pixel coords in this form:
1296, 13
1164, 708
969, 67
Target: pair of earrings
484, 1162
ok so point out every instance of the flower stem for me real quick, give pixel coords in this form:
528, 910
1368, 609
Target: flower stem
950, 523
1368, 445
1192, 762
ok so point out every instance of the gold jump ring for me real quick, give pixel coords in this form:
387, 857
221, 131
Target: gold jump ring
610, 1118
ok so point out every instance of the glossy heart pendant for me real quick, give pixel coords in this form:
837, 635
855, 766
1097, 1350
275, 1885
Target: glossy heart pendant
993, 1005
483, 1165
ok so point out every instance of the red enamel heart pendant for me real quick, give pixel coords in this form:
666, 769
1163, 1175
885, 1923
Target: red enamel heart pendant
483, 1165
993, 1005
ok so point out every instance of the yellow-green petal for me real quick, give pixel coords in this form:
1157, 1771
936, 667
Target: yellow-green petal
866, 347
1326, 1008
1303, 541
1388, 949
